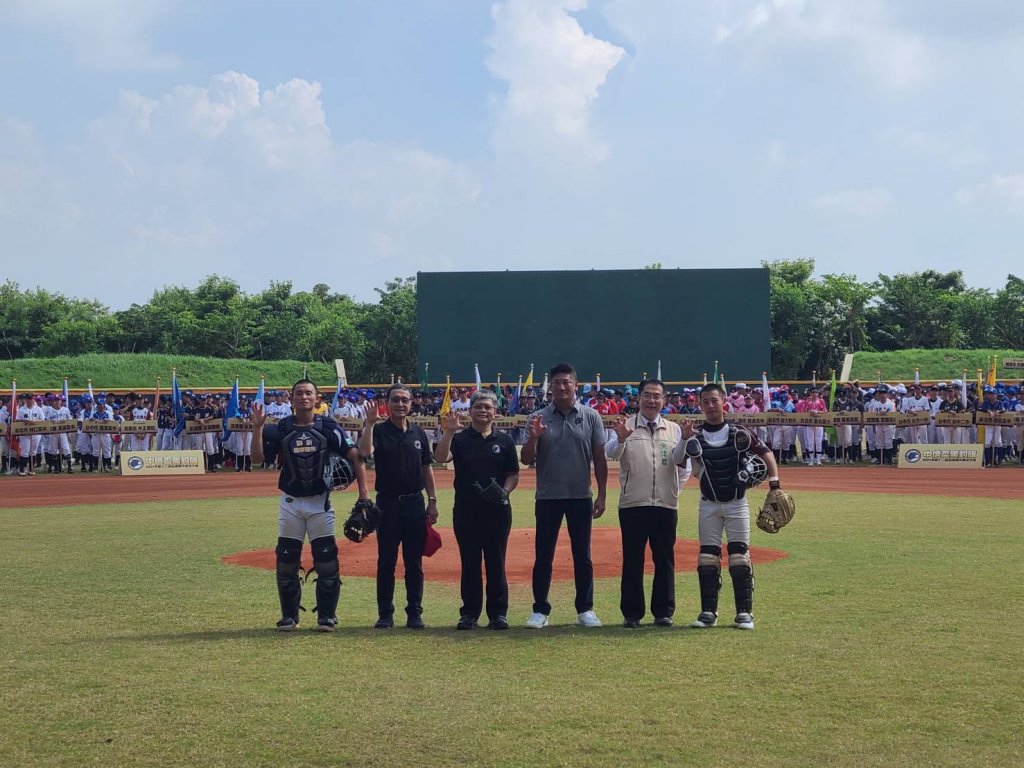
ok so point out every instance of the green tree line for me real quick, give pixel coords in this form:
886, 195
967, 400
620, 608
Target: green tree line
217, 319
815, 321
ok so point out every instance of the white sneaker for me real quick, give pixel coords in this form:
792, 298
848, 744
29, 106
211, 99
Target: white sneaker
588, 619
744, 621
537, 621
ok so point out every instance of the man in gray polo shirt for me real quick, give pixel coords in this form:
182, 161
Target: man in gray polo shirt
564, 439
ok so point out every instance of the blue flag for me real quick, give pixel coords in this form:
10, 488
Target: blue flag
231, 412
179, 409
64, 394
337, 397
260, 397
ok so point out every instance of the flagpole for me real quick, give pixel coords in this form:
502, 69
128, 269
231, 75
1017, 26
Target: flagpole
12, 417
153, 413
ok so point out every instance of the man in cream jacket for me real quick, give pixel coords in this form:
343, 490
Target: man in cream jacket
650, 482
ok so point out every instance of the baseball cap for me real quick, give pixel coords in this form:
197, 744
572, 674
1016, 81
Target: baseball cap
433, 540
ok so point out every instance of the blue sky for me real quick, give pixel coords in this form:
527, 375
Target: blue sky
145, 144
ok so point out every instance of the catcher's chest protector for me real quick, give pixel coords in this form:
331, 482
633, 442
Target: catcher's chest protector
721, 463
305, 450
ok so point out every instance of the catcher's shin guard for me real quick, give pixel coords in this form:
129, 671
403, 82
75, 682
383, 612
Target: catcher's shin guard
742, 576
328, 581
709, 577
289, 587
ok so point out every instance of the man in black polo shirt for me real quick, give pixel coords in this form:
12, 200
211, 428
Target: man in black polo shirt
486, 472
402, 459
304, 441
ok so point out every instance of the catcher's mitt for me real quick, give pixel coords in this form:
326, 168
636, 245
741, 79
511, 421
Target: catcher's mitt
492, 493
777, 511
362, 521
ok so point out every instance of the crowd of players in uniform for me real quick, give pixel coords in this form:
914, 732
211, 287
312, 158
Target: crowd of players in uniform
99, 451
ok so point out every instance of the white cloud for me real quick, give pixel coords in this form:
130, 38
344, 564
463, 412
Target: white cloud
955, 153
1007, 189
554, 70
862, 29
227, 177
860, 202
105, 34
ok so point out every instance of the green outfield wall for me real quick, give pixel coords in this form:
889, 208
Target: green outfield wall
616, 323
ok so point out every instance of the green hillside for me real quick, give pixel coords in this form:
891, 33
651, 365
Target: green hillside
139, 371
935, 364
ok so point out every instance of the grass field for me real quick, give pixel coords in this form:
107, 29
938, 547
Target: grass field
935, 365
889, 636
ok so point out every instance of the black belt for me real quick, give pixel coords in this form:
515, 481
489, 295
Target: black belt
402, 496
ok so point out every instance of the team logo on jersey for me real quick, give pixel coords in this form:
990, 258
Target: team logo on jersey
495, 448
579, 419
418, 445
913, 456
304, 445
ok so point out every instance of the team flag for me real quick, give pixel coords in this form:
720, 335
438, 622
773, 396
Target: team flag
513, 407
64, 394
765, 392
597, 385
499, 393
705, 378
714, 378
529, 378
425, 381
260, 396
658, 377
446, 404
337, 397
981, 386
992, 373
832, 390
963, 390
917, 377
476, 377
179, 409
231, 412
544, 390
12, 412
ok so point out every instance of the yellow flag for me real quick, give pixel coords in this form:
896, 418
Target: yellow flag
529, 379
446, 404
992, 373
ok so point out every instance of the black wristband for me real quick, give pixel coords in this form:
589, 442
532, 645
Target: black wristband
774, 485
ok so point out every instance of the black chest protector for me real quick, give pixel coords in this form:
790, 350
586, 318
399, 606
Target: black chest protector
304, 451
719, 481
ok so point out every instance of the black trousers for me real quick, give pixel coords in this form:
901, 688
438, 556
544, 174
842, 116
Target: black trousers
642, 526
482, 530
579, 518
403, 522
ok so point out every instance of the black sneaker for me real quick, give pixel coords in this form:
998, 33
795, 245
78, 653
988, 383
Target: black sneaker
384, 622
415, 622
498, 622
631, 624
326, 624
663, 621
465, 622
287, 624
705, 620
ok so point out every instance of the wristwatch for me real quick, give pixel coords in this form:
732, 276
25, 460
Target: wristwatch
431, 498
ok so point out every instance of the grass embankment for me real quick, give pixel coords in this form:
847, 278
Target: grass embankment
883, 639
935, 364
139, 372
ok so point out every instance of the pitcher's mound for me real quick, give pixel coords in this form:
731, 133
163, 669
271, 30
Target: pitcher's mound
605, 546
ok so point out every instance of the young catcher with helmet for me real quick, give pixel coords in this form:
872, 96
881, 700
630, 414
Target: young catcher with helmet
310, 447
728, 459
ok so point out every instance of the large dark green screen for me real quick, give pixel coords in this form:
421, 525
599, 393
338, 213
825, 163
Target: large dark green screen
616, 323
